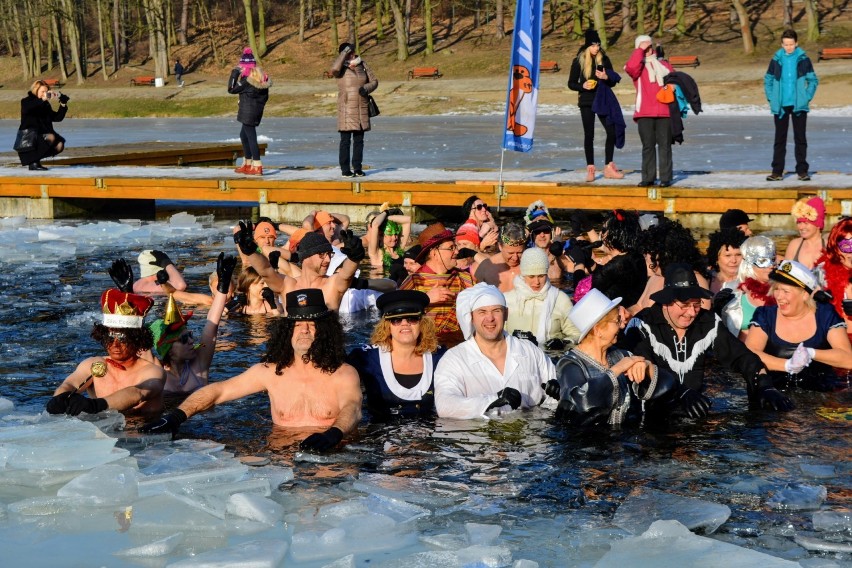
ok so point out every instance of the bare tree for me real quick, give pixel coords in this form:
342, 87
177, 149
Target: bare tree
427, 22
301, 21
788, 13
332, 22
499, 26
600, 21
745, 28
101, 40
813, 20
626, 29
184, 22
640, 17
680, 25
397, 7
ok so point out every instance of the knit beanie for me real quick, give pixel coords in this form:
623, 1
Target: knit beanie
311, 244
810, 210
145, 259
591, 36
640, 39
247, 60
534, 262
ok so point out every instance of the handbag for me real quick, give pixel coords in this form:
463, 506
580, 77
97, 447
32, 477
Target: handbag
666, 94
372, 107
25, 140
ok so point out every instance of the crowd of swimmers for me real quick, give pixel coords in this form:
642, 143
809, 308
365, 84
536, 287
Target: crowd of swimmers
609, 318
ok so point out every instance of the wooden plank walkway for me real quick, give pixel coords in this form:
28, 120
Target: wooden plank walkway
144, 154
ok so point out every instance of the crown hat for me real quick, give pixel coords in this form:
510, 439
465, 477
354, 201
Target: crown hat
124, 310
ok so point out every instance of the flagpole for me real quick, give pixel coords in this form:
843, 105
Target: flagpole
500, 180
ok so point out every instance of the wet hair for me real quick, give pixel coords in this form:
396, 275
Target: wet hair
247, 277
832, 250
625, 277
427, 341
790, 34
621, 230
669, 243
730, 238
138, 339
467, 205
326, 352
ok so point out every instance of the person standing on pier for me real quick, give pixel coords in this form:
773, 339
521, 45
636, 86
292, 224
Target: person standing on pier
355, 82
252, 85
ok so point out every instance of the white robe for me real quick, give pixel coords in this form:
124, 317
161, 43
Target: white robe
467, 382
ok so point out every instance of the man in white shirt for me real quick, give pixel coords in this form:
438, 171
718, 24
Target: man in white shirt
490, 370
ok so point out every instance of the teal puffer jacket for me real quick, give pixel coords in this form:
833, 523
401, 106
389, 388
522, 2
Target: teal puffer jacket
806, 82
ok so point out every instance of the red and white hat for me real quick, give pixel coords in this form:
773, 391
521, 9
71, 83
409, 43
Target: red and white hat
123, 309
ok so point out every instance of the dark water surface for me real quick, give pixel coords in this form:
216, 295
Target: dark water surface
553, 490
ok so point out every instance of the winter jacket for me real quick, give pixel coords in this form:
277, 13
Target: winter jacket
688, 87
576, 79
352, 113
606, 104
806, 82
526, 310
647, 105
253, 96
38, 114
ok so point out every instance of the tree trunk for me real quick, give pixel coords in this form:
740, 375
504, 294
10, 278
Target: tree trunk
745, 29
116, 35
60, 51
578, 18
813, 20
249, 21
499, 27
600, 21
380, 28
332, 22
301, 21
184, 22
356, 20
101, 40
350, 22
626, 28
640, 17
680, 26
407, 21
663, 11
788, 14
427, 21
399, 28
70, 17
261, 28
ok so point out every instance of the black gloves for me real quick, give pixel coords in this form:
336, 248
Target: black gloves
352, 247
773, 399
556, 248
63, 98
122, 274
161, 259
362, 91
394, 211
235, 303
823, 297
528, 335
552, 388
168, 424
78, 403
847, 307
722, 299
580, 252
58, 404
274, 257
507, 396
162, 276
269, 296
359, 284
695, 404
244, 238
225, 270
555, 344
322, 441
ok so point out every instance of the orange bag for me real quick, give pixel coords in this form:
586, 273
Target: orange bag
666, 94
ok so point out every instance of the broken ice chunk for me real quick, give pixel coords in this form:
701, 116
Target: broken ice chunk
644, 506
798, 497
105, 485
482, 534
254, 554
255, 507
154, 549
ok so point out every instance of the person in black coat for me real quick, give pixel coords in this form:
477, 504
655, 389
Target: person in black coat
252, 85
37, 113
590, 67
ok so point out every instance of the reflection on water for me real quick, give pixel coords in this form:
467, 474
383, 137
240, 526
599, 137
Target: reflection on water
550, 488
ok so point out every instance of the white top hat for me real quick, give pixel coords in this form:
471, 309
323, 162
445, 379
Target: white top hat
589, 311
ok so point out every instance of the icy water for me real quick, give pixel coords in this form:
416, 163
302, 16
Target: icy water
431, 493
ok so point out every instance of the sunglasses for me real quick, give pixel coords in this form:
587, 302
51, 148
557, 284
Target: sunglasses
480, 207
409, 319
114, 336
542, 231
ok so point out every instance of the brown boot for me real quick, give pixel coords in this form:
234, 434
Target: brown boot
611, 172
590, 173
244, 168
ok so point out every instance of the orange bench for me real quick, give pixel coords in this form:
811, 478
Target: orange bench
684, 61
549, 66
424, 73
51, 82
136, 81
835, 53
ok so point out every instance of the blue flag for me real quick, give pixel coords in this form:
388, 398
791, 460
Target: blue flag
522, 97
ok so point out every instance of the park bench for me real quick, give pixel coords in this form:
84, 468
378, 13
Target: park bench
835, 53
684, 61
424, 73
549, 67
52, 82
136, 81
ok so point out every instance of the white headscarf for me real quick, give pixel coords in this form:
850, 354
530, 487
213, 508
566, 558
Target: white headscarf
473, 298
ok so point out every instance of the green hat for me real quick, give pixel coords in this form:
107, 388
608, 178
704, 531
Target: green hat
392, 228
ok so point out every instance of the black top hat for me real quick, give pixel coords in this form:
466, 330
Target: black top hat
413, 252
733, 218
681, 285
306, 304
401, 303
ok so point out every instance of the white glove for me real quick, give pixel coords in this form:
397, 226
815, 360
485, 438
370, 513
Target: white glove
801, 358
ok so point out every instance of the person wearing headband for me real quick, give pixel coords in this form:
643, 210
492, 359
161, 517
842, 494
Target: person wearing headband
491, 372
800, 339
388, 234
809, 213
397, 368
500, 269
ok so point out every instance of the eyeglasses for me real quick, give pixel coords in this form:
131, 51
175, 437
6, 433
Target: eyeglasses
114, 336
618, 320
695, 306
409, 319
451, 248
480, 207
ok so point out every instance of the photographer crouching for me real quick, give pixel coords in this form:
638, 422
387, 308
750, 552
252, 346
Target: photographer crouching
36, 137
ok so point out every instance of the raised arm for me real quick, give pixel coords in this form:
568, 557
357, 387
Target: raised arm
247, 245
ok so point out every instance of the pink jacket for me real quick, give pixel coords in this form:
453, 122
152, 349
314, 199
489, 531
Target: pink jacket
647, 105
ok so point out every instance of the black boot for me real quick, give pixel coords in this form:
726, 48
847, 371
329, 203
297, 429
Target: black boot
37, 166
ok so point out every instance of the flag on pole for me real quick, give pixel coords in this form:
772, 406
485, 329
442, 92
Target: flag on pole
522, 97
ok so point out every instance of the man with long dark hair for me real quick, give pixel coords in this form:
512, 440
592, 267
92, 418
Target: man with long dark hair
303, 372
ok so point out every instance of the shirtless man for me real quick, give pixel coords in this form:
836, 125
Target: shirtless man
500, 269
308, 384
314, 252
121, 380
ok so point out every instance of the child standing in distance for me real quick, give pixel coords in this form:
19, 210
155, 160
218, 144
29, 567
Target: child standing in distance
179, 72
790, 83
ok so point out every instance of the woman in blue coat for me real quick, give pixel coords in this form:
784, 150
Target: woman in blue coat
397, 369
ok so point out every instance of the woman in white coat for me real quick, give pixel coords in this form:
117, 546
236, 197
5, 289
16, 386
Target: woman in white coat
536, 306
